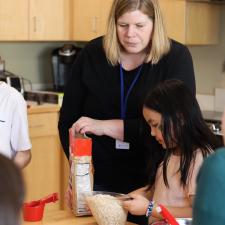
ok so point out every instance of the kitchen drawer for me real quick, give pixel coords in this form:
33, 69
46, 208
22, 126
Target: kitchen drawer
42, 124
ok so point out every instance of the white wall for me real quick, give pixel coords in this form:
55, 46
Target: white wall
30, 60
208, 61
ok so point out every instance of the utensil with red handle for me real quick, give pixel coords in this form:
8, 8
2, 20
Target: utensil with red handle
166, 215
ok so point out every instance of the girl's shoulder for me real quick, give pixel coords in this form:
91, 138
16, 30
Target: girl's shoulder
203, 153
200, 154
198, 159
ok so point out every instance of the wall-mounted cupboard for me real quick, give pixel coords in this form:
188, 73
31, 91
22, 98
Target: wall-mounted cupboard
89, 18
13, 20
32, 20
189, 22
49, 20
192, 23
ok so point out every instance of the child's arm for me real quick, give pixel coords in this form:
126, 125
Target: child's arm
142, 191
139, 205
177, 212
22, 158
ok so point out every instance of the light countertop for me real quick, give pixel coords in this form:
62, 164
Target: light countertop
32, 107
64, 218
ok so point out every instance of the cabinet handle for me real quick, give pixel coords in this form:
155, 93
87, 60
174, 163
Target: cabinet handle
35, 24
94, 24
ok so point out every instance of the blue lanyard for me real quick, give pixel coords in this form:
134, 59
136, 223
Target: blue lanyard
123, 101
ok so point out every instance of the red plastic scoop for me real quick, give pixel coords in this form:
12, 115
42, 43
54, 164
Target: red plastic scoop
33, 211
166, 215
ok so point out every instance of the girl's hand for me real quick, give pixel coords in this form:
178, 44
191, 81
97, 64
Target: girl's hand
88, 125
137, 206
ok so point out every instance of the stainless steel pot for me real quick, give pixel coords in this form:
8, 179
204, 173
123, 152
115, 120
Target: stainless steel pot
184, 221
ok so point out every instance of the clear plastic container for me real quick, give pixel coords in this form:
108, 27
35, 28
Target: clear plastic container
184, 221
106, 207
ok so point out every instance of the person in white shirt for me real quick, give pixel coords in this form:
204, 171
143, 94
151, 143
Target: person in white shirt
14, 135
12, 193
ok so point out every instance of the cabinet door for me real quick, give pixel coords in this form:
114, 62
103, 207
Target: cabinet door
43, 175
174, 17
85, 19
49, 20
105, 8
191, 23
203, 23
14, 20
89, 18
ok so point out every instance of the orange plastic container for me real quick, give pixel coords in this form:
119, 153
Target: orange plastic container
33, 211
80, 145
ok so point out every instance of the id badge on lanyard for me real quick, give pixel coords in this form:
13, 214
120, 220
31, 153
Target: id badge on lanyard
123, 104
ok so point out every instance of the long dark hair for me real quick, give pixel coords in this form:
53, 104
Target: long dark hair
11, 192
182, 123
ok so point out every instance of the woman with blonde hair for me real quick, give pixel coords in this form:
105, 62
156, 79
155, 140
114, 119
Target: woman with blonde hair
160, 43
108, 83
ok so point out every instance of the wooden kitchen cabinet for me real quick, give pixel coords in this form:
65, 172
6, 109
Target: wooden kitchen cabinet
191, 23
89, 18
32, 20
13, 20
49, 20
43, 175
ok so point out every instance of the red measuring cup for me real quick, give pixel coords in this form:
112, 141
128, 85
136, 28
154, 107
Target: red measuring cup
33, 211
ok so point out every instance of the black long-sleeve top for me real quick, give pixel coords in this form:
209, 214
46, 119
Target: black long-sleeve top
93, 90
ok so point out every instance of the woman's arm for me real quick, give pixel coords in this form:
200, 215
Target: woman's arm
72, 106
112, 128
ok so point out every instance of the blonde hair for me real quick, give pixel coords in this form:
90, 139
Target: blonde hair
159, 44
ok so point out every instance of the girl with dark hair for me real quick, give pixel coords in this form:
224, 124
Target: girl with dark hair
11, 192
176, 123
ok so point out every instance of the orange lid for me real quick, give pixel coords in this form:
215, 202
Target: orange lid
80, 145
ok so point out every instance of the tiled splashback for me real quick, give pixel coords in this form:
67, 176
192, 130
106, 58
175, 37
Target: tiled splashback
206, 102
219, 99
212, 102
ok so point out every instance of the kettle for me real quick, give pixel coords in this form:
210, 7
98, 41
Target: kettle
62, 60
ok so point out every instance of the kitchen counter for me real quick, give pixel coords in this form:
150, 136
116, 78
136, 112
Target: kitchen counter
46, 166
60, 217
32, 107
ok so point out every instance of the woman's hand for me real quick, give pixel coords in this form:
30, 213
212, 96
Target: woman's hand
112, 128
137, 206
89, 125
